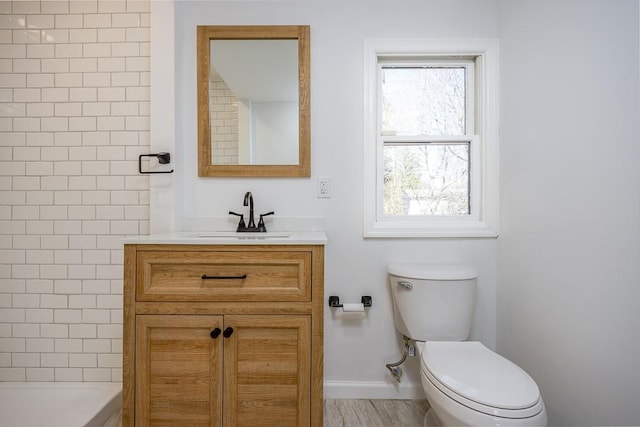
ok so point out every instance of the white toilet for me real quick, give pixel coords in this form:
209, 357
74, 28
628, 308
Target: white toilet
466, 383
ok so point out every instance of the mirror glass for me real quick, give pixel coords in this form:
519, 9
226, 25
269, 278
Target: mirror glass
253, 101
254, 116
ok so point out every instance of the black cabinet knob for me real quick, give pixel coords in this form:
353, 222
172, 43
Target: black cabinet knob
227, 332
215, 333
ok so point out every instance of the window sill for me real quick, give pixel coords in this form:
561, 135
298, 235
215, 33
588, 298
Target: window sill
442, 230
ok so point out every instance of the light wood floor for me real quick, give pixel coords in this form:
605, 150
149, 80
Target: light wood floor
374, 413
360, 413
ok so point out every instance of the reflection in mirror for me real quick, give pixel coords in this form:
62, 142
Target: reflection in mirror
254, 116
253, 101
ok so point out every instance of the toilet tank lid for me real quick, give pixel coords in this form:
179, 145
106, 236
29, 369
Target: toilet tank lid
433, 271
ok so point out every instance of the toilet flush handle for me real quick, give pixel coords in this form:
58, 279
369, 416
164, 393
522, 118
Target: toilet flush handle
405, 284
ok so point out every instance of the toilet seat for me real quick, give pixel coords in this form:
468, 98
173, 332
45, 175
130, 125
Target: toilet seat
480, 379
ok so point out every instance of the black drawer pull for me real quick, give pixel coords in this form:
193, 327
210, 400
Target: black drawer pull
205, 277
215, 333
227, 332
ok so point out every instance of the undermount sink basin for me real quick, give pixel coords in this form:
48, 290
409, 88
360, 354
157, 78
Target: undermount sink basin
243, 236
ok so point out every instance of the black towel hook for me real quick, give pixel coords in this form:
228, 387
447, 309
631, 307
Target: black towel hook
163, 159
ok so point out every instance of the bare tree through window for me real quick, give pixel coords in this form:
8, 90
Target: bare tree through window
423, 177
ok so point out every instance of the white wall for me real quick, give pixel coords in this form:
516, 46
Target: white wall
355, 350
569, 250
275, 132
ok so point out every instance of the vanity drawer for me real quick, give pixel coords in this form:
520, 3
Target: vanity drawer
223, 276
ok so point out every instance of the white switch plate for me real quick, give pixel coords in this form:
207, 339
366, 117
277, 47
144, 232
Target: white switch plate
324, 187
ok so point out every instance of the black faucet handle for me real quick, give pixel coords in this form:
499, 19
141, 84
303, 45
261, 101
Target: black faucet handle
261, 226
241, 224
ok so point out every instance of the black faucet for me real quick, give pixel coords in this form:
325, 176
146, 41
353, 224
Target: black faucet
248, 201
242, 227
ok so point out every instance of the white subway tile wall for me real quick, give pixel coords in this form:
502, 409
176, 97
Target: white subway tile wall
223, 105
74, 103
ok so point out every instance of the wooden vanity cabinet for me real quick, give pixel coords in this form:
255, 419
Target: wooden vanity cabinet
210, 357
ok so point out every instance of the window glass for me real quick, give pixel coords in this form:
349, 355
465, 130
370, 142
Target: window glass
423, 101
426, 179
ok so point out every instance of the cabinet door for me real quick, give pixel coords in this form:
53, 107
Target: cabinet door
267, 371
178, 370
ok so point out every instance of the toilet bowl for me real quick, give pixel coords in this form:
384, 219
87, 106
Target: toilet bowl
469, 385
466, 383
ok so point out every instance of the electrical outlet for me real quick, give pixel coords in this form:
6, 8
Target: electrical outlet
324, 187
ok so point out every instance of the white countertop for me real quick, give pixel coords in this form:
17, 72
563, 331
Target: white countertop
231, 238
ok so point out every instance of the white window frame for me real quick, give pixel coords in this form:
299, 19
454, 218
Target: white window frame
483, 220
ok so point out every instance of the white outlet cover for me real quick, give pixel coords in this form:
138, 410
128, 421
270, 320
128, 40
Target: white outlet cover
324, 187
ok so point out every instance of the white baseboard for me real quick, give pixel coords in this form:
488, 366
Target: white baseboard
372, 390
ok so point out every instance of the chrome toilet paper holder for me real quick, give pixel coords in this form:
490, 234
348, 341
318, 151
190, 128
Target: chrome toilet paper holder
334, 301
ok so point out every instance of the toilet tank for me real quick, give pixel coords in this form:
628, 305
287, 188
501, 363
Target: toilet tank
433, 302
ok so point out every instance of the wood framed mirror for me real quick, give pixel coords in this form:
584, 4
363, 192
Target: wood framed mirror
253, 101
